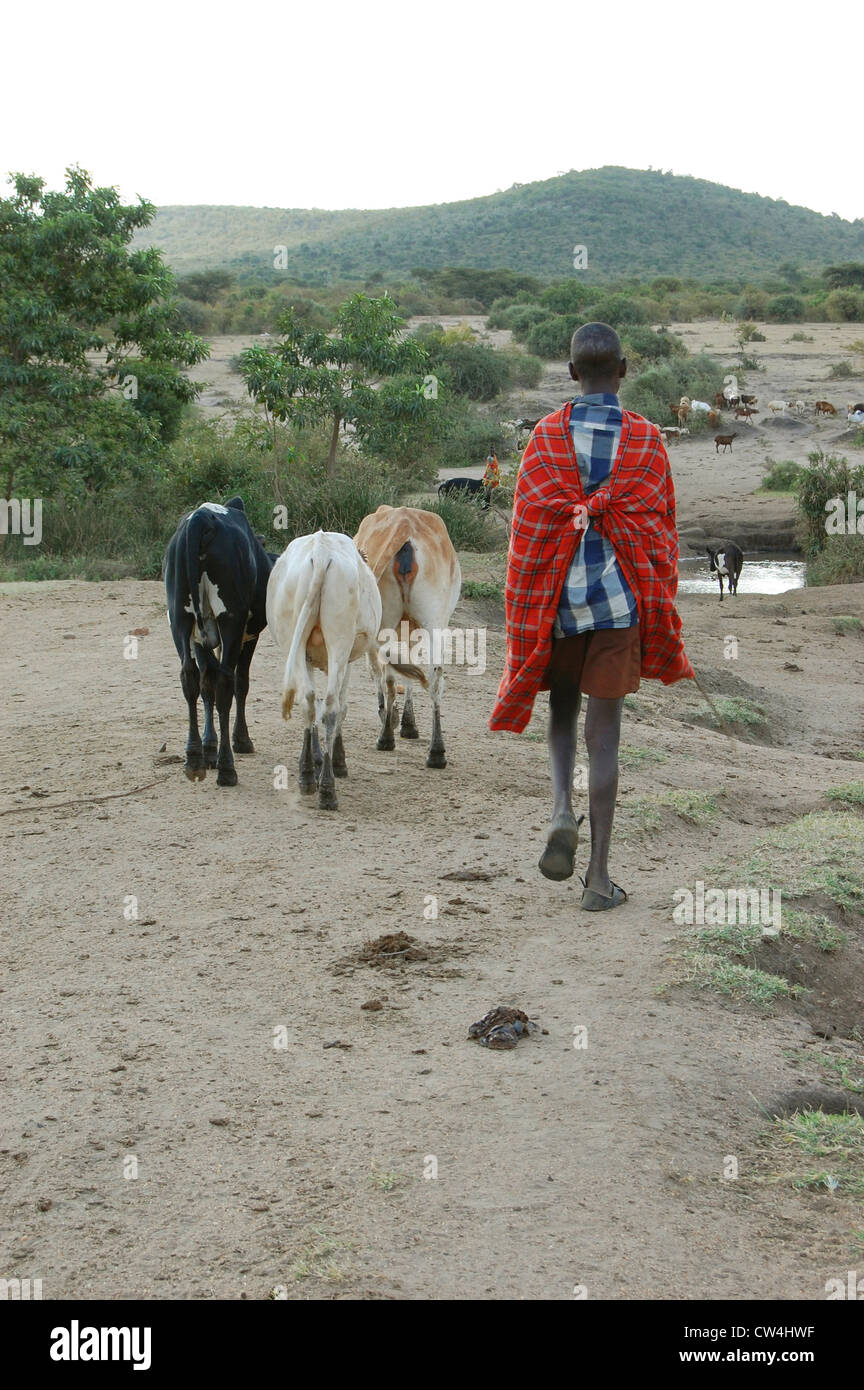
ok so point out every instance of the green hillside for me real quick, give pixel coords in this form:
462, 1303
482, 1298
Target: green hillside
632, 222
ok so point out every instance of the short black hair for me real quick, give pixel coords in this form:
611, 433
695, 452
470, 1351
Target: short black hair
595, 350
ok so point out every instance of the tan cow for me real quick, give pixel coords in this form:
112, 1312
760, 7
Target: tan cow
419, 579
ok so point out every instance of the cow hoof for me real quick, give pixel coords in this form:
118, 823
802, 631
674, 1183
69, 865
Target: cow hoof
243, 745
195, 772
409, 731
211, 757
436, 758
308, 785
227, 777
340, 771
327, 800
386, 743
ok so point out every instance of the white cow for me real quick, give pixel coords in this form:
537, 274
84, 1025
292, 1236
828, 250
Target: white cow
700, 406
324, 611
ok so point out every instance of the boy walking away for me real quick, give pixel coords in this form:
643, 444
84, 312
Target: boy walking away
592, 574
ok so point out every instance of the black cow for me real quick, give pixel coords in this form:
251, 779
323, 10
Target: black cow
216, 573
726, 559
470, 486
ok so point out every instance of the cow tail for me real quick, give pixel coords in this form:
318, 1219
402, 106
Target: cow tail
195, 527
306, 620
414, 673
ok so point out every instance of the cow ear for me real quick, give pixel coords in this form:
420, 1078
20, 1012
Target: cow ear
236, 503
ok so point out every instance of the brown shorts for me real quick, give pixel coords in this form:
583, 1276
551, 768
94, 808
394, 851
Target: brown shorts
606, 663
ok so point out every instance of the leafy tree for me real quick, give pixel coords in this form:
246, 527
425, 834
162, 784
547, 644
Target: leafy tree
205, 285
84, 323
309, 377
843, 276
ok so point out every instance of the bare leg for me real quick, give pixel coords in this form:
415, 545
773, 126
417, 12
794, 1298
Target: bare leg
602, 734
564, 705
556, 862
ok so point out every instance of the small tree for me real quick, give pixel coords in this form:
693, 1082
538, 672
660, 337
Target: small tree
90, 356
310, 377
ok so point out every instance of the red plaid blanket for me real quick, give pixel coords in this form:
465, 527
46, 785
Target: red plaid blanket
635, 510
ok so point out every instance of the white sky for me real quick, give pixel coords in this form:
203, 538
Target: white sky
384, 103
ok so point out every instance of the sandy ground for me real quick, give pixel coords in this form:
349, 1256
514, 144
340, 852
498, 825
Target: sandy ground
715, 492
380, 1154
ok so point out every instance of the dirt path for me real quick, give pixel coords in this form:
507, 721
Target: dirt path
152, 1037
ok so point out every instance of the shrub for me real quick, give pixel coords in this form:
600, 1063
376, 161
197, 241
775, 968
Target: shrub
642, 344
841, 562
786, 308
826, 478
567, 297
802, 338
551, 337
523, 368
524, 317
845, 306
781, 476
470, 369
617, 310
466, 523
840, 371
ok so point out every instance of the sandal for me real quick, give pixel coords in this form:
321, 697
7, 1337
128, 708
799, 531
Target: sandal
557, 859
598, 902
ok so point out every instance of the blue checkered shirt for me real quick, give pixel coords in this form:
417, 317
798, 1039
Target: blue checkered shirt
595, 593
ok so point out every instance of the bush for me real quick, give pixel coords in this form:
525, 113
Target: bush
568, 297
826, 478
786, 308
801, 338
470, 369
192, 316
523, 317
845, 306
466, 523
781, 476
617, 310
643, 344
840, 371
840, 563
551, 337
464, 436
523, 369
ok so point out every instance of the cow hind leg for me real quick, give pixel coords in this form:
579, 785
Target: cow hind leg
210, 741
340, 766
310, 753
195, 767
327, 800
386, 704
408, 728
240, 740
435, 756
231, 633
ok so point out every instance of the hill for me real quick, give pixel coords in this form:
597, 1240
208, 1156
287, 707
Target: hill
633, 222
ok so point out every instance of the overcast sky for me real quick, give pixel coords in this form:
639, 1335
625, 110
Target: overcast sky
381, 103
